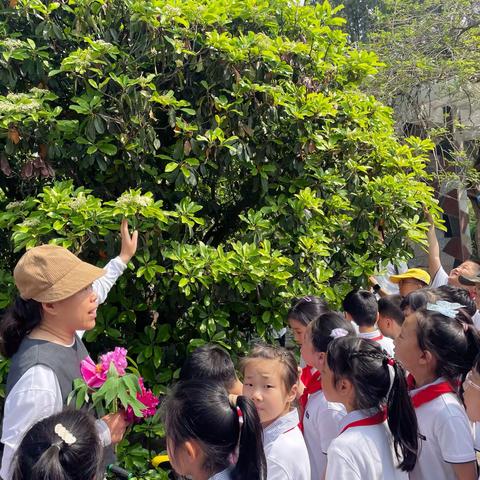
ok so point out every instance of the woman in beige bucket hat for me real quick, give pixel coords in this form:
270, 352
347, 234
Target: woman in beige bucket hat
41, 333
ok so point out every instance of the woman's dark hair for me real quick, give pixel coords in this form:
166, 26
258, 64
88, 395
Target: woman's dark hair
456, 295
201, 410
322, 327
17, 322
282, 355
210, 362
455, 342
418, 299
307, 308
368, 367
43, 455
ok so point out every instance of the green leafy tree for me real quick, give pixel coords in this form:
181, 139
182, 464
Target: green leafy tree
430, 78
233, 135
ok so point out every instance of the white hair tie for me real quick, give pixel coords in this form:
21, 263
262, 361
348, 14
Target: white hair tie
64, 434
338, 332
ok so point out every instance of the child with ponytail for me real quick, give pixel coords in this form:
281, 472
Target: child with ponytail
206, 428
438, 345
63, 446
320, 418
271, 381
378, 437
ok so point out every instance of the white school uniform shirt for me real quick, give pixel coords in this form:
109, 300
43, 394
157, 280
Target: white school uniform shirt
285, 449
448, 437
363, 452
321, 424
38, 391
223, 475
385, 342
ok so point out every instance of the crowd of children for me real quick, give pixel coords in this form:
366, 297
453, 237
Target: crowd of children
386, 389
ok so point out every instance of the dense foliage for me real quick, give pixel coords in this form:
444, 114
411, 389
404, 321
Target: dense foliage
233, 135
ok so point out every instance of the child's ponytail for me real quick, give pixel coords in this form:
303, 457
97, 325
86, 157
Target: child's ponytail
226, 427
251, 463
48, 465
402, 419
379, 382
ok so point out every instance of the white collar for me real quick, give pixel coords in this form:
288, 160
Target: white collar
356, 415
281, 425
223, 475
416, 390
374, 334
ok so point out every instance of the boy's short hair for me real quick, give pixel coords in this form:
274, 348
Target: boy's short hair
390, 307
362, 306
210, 362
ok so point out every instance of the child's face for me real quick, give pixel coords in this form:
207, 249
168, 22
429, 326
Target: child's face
187, 459
407, 350
328, 383
298, 330
471, 396
309, 354
264, 383
388, 326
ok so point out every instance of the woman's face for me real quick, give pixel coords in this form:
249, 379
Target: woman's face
298, 329
77, 312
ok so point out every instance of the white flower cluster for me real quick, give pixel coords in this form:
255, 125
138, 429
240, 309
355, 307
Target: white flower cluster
127, 200
12, 43
30, 223
18, 102
77, 203
16, 204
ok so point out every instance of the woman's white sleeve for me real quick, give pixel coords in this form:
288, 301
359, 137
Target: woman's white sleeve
113, 269
35, 396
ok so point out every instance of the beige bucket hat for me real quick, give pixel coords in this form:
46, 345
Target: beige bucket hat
50, 273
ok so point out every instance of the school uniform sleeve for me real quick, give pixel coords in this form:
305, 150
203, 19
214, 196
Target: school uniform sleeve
113, 269
339, 467
276, 471
330, 425
35, 396
455, 438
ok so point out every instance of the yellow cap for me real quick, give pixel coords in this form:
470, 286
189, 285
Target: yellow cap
159, 459
416, 273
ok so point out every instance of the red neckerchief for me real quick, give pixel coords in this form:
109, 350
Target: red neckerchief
430, 393
376, 419
314, 385
306, 374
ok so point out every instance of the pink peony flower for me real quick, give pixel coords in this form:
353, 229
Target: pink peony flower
148, 399
119, 359
94, 375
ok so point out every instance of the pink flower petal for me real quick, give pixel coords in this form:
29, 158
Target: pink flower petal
119, 359
93, 378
